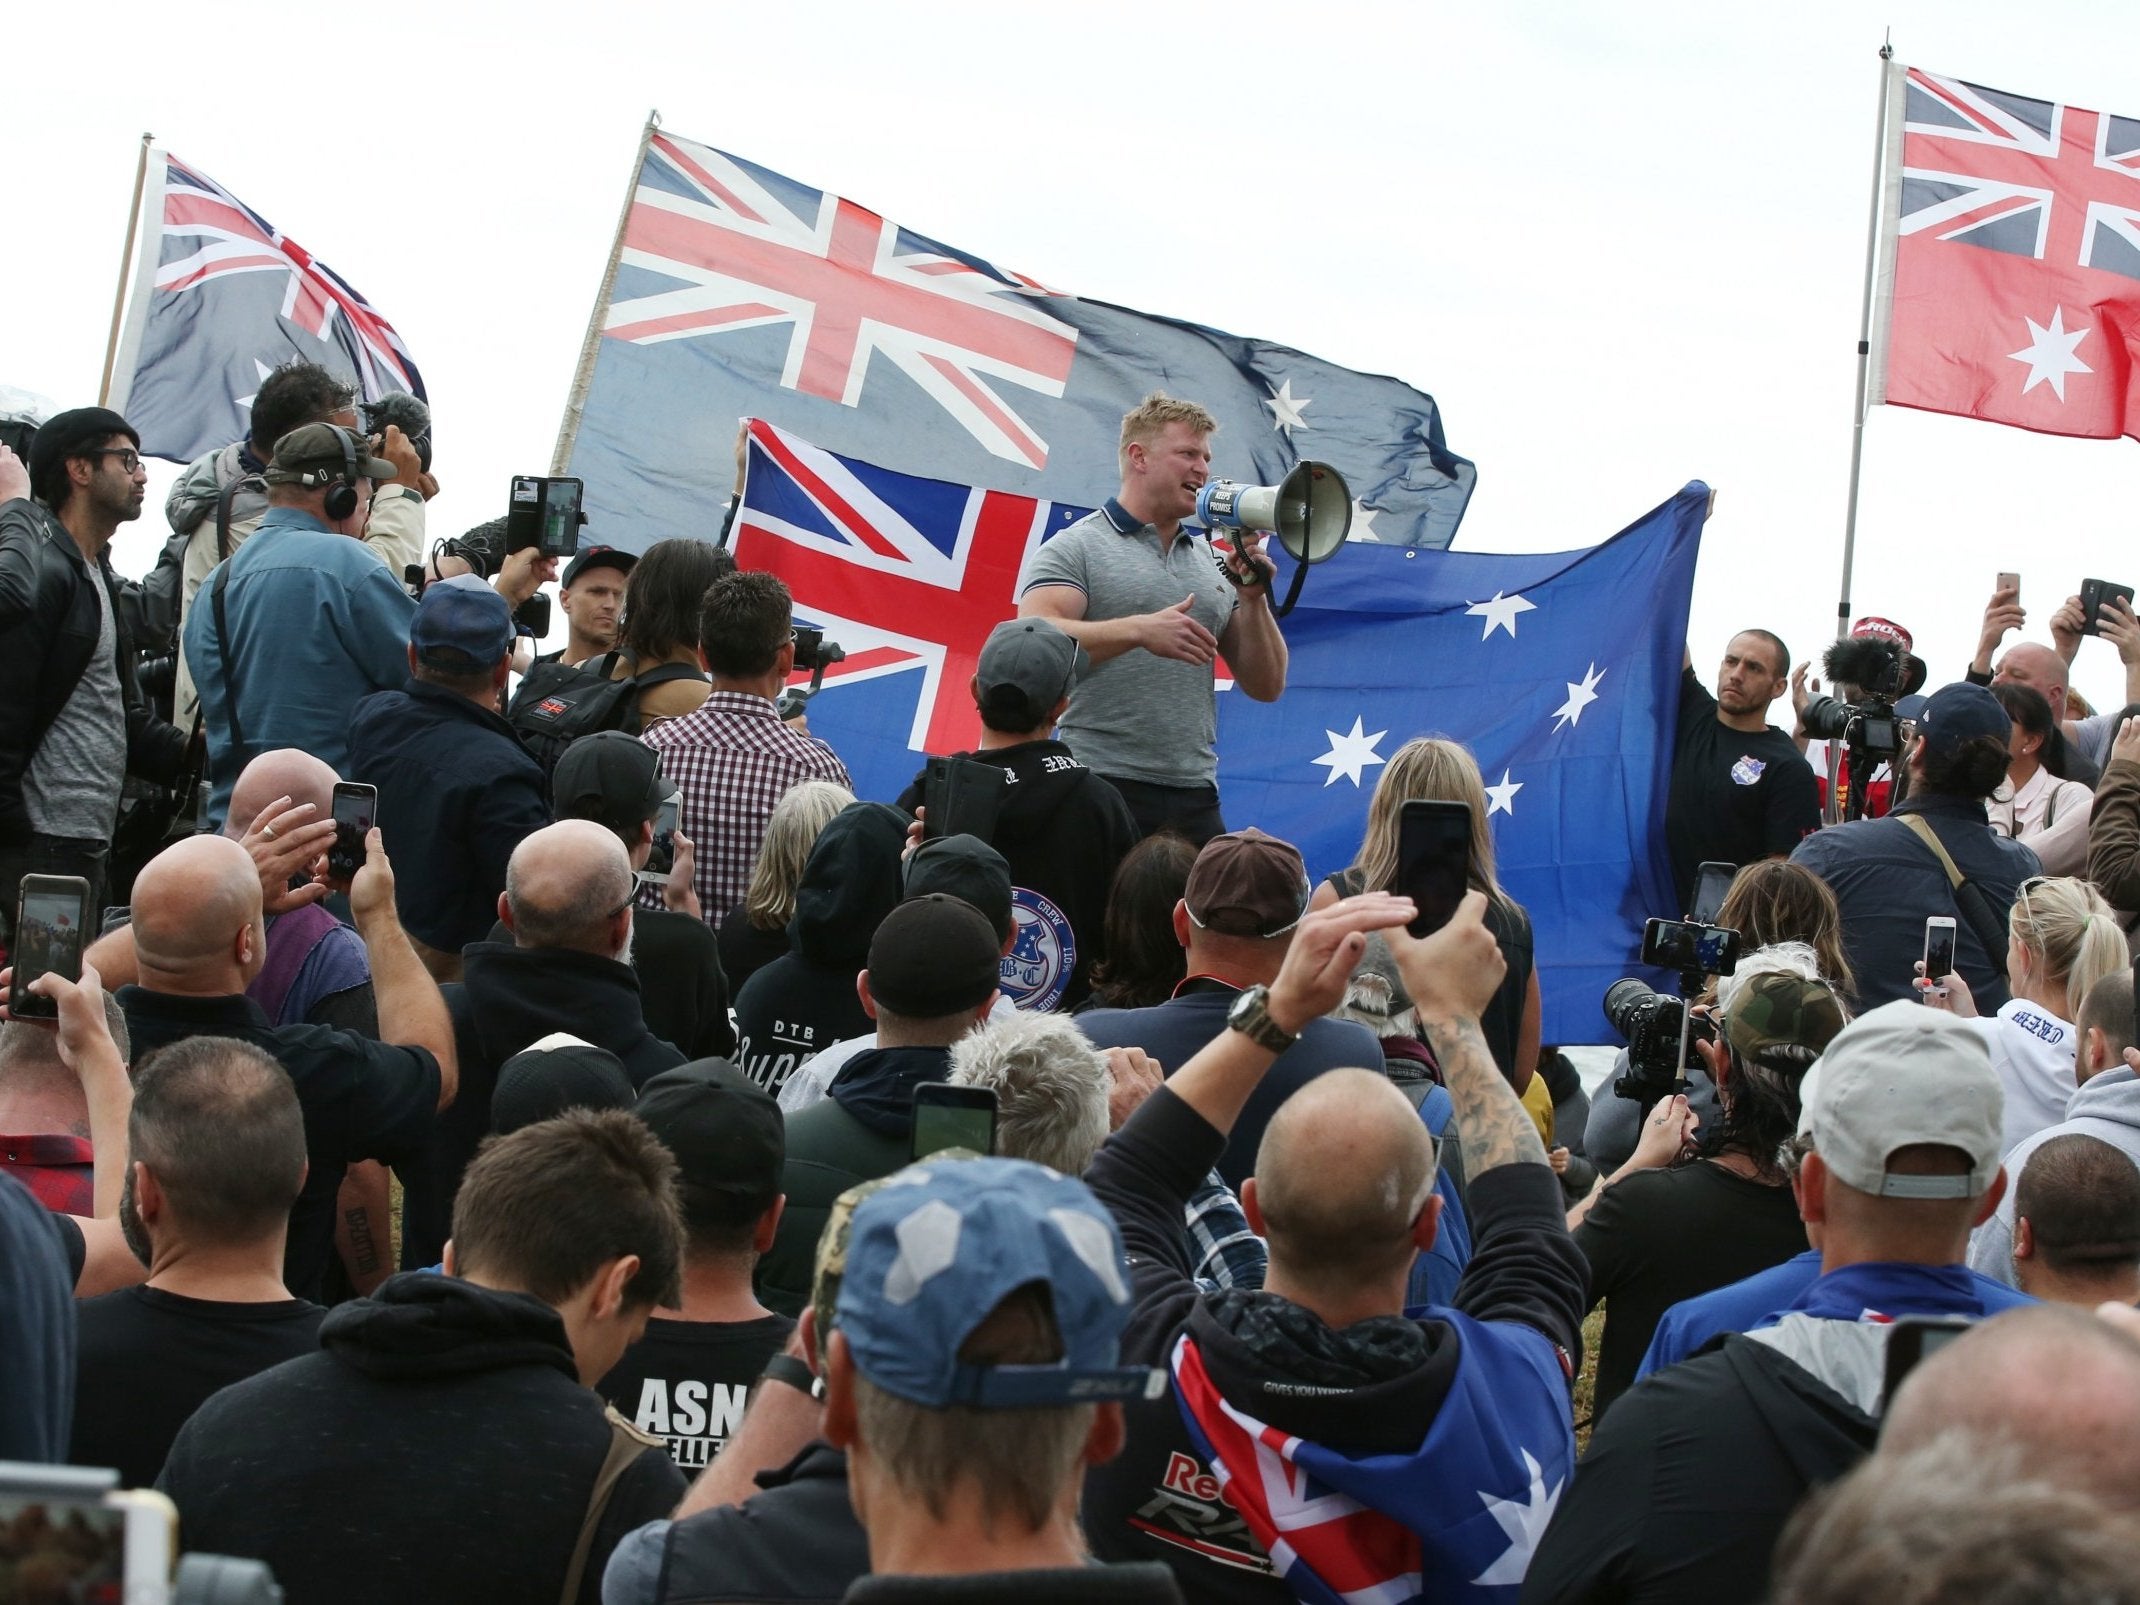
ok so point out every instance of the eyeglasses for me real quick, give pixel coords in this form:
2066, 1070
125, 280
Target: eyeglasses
129, 459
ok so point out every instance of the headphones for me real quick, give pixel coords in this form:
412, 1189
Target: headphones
341, 498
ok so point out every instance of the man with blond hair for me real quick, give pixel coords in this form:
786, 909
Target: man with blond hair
1153, 606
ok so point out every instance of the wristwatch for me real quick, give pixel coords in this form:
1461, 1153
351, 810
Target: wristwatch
1251, 1016
786, 1368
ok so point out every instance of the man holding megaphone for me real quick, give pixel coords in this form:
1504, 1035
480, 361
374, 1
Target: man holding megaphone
1153, 605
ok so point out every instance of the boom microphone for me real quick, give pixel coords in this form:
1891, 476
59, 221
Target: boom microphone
410, 414
1865, 662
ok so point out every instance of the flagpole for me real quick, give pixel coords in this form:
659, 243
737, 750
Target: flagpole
583, 375
126, 260
1834, 809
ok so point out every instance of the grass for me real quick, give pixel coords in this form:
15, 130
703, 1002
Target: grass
1586, 1380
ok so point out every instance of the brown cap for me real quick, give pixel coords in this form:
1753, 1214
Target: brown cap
1245, 883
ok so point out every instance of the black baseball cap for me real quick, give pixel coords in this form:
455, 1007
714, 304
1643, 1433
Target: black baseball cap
599, 557
558, 1073
611, 778
934, 955
965, 867
725, 1130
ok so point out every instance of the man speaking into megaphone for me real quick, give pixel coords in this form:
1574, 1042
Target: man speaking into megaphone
1153, 605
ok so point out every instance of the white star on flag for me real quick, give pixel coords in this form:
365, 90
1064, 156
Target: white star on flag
1351, 754
246, 402
1501, 799
1579, 698
1500, 612
1524, 1521
1362, 527
2049, 353
1286, 409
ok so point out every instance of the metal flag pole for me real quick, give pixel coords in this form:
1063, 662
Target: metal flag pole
583, 375
1862, 406
126, 260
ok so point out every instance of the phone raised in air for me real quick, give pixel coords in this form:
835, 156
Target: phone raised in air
1711, 884
1689, 947
1433, 861
2094, 594
947, 1116
962, 797
661, 857
51, 929
356, 811
1939, 951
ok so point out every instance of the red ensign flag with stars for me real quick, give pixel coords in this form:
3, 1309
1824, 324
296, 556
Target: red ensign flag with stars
2010, 289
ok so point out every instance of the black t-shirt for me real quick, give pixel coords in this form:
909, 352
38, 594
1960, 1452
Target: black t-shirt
1737, 796
688, 1381
745, 950
1659, 1236
149, 1359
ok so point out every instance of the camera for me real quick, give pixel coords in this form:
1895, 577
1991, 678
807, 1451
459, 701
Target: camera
1874, 669
410, 414
816, 654
1653, 1023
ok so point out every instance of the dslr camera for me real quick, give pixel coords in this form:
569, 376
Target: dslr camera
816, 654
410, 414
1658, 1026
1874, 669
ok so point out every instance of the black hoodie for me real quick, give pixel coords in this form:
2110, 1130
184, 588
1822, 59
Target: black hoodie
439, 1447
511, 997
1063, 830
804, 1001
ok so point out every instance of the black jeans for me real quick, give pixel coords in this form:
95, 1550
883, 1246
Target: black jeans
51, 855
1189, 811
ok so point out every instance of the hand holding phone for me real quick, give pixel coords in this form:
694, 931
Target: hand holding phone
545, 513
51, 929
1433, 861
356, 811
962, 797
2095, 595
1939, 954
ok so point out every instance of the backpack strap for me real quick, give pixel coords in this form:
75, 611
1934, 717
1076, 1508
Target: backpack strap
626, 1444
222, 512
1994, 945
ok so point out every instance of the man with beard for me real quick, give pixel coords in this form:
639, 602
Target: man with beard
1741, 790
216, 1143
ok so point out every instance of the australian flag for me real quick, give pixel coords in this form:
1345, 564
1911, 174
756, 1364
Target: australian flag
738, 292
1560, 672
221, 299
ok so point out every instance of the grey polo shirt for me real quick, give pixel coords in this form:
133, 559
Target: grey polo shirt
1137, 716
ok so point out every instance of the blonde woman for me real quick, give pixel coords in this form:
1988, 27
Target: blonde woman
1434, 769
755, 931
2062, 939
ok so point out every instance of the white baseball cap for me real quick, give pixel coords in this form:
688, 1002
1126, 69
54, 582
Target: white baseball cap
1902, 1076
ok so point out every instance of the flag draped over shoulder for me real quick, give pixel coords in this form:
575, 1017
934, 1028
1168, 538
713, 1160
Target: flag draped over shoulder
1560, 671
221, 298
737, 292
2009, 284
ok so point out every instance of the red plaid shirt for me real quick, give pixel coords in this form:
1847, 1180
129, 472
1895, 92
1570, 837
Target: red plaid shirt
56, 1170
733, 760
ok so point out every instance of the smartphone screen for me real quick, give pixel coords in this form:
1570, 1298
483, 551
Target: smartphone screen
51, 912
946, 1116
1711, 883
1939, 948
1433, 861
561, 518
662, 858
356, 811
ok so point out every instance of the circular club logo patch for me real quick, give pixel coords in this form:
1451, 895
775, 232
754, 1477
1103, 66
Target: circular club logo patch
1037, 968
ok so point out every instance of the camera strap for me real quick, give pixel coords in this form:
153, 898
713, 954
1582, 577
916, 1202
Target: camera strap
1994, 944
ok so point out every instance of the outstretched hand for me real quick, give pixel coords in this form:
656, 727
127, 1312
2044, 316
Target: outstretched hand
286, 842
1326, 948
1457, 970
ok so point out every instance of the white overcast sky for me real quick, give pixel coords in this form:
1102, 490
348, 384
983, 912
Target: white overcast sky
1622, 246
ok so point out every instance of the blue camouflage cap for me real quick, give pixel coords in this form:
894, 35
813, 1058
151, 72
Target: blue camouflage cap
461, 616
933, 1252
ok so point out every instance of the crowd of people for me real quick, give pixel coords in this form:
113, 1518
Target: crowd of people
534, 1183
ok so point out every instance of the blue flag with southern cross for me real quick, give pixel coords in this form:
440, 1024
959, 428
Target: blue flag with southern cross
738, 292
1560, 671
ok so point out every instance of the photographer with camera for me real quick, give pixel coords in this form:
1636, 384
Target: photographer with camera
1741, 790
1934, 855
220, 498
1872, 671
1661, 1230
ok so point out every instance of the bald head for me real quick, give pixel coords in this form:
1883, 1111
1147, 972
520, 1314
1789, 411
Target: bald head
1343, 1172
566, 886
2040, 669
197, 916
285, 772
2055, 1380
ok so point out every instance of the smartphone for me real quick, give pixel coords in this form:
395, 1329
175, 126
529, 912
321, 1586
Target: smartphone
51, 920
1939, 950
544, 513
356, 811
1433, 861
1689, 946
2094, 593
1912, 1339
69, 1522
662, 858
1711, 882
962, 797
946, 1116
2009, 582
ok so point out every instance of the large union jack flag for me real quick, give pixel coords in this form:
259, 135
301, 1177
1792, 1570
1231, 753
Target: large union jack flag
2012, 290
221, 297
737, 292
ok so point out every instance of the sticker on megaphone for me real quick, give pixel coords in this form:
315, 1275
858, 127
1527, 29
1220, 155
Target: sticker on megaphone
1310, 511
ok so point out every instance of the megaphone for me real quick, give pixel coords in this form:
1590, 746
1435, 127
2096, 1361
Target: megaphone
1310, 511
